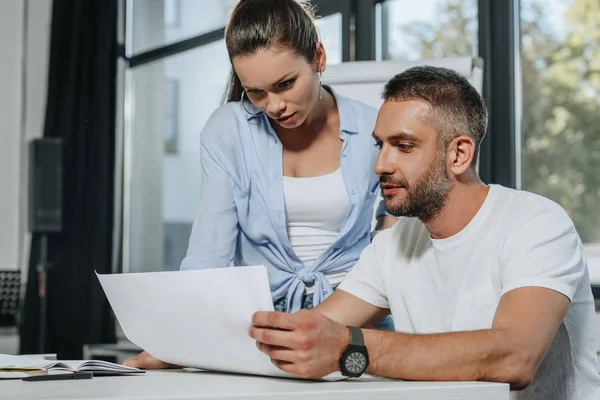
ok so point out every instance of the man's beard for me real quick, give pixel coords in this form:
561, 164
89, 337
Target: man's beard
426, 197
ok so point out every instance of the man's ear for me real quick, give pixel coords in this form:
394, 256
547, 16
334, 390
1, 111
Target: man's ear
461, 153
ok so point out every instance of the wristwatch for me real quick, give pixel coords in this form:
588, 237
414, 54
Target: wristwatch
355, 359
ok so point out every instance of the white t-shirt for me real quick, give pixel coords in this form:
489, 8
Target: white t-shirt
516, 239
315, 209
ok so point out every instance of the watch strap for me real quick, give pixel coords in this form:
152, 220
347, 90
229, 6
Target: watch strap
356, 336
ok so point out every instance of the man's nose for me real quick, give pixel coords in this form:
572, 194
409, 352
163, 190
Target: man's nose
385, 162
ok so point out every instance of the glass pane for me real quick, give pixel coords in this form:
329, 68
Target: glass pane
154, 23
330, 29
560, 56
428, 29
172, 99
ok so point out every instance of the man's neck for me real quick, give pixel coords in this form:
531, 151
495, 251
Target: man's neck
464, 201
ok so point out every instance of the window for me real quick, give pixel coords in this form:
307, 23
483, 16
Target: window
164, 166
155, 23
427, 29
560, 56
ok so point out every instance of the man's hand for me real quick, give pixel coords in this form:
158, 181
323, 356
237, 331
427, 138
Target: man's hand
145, 361
306, 343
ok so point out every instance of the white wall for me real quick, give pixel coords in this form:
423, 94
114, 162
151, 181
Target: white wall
24, 40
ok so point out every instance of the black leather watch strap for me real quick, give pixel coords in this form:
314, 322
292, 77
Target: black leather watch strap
356, 336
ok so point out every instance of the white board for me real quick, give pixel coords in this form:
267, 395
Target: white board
364, 80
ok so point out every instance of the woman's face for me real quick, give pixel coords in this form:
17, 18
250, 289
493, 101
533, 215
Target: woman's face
281, 83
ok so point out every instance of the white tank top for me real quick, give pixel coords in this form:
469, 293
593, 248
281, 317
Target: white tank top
315, 209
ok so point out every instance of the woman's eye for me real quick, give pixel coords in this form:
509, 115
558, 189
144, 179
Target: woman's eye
285, 84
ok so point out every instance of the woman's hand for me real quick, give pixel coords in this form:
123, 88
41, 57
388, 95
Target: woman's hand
145, 361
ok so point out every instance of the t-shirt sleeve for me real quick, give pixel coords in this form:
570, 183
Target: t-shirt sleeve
544, 251
365, 280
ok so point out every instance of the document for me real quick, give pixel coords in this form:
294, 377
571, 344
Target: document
196, 319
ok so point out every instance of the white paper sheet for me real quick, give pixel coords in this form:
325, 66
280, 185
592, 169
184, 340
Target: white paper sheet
195, 318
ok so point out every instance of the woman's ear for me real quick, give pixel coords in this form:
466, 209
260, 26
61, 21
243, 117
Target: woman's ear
320, 58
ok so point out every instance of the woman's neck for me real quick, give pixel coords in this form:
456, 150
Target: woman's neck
323, 115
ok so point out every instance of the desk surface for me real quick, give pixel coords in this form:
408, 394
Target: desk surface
178, 384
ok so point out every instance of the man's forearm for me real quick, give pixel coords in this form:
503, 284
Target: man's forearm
485, 355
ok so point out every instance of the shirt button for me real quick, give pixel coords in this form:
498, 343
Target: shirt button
279, 215
352, 192
344, 154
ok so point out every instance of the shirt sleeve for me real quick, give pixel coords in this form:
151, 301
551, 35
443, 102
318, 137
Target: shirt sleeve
365, 280
545, 251
214, 232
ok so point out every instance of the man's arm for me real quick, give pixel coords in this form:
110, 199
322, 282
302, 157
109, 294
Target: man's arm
523, 328
309, 344
347, 309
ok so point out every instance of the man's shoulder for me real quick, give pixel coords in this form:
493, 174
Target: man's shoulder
522, 206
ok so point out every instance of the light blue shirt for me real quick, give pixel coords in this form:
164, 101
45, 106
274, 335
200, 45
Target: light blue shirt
241, 218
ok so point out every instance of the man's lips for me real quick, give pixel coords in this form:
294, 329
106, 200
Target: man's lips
391, 189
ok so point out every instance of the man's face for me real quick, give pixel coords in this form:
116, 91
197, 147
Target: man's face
411, 166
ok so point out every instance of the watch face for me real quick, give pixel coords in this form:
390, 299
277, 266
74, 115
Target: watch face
356, 362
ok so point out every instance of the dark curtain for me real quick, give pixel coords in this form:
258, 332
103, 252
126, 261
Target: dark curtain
81, 111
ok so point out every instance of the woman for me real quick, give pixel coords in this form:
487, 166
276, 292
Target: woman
287, 164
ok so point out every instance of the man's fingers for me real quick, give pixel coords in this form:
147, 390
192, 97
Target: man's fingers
295, 369
271, 336
271, 319
278, 353
284, 365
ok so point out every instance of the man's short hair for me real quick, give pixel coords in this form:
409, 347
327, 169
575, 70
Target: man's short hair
456, 108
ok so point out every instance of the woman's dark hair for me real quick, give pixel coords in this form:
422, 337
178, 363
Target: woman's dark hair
259, 24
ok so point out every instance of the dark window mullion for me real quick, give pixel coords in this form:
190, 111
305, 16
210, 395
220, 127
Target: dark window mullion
364, 13
497, 47
344, 7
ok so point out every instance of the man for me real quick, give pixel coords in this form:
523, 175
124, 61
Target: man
483, 282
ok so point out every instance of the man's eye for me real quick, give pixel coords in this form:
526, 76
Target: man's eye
378, 145
405, 147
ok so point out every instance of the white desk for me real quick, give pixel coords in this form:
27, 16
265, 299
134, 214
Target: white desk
177, 385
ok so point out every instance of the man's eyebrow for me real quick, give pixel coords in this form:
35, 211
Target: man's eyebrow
399, 136
283, 78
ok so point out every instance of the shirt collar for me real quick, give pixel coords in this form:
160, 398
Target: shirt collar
348, 119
